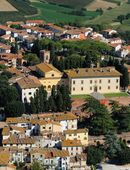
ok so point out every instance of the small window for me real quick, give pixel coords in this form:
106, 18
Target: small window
76, 149
109, 81
100, 88
109, 87
116, 87
29, 93
52, 75
82, 88
71, 148
82, 82
73, 81
73, 88
90, 88
91, 81
117, 80
69, 134
100, 81
49, 127
72, 126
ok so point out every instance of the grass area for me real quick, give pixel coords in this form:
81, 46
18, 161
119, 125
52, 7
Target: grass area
110, 16
121, 94
82, 96
55, 13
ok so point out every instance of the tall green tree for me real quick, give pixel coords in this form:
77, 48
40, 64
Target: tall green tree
94, 155
100, 120
14, 109
32, 59
112, 145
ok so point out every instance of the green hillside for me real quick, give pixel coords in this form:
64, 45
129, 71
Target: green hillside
57, 13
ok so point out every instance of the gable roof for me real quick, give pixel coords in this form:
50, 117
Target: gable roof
45, 67
50, 152
71, 143
29, 82
93, 72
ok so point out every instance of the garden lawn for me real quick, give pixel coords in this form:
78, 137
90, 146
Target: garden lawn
121, 94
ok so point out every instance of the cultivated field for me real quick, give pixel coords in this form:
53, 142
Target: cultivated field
57, 13
6, 6
72, 3
100, 4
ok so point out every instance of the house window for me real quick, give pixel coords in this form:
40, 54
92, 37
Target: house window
76, 149
91, 81
71, 148
109, 81
90, 88
100, 88
82, 82
73, 88
69, 134
82, 88
117, 80
73, 81
49, 127
100, 81
116, 87
52, 75
72, 126
108, 87
29, 93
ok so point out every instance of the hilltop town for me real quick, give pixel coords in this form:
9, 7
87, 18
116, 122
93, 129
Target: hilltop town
64, 97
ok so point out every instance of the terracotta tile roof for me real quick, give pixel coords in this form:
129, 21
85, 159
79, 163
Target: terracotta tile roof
56, 116
14, 22
8, 56
16, 128
6, 131
78, 158
93, 72
45, 67
29, 82
16, 120
15, 140
3, 124
4, 158
50, 152
71, 143
35, 21
65, 116
76, 131
15, 71
127, 47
